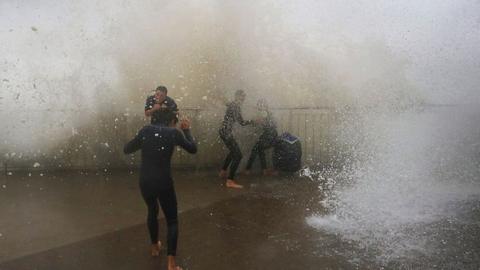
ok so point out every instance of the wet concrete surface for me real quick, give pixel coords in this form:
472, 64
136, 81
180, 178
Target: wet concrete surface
74, 223
44, 210
98, 222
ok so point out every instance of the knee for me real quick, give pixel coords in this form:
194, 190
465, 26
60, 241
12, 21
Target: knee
237, 154
153, 213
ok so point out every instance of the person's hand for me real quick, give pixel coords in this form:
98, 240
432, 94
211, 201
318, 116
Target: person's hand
156, 106
258, 121
184, 123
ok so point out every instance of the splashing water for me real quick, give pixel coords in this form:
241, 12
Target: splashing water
408, 173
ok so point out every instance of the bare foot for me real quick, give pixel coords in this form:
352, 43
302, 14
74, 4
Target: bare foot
172, 265
247, 172
222, 174
156, 249
232, 184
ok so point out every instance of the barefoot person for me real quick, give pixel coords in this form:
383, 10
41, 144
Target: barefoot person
232, 115
267, 139
157, 142
158, 103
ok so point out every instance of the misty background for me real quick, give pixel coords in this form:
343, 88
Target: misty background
74, 75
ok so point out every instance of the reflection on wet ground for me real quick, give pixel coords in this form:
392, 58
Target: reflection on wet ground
73, 223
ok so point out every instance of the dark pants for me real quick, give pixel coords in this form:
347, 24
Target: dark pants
264, 142
168, 202
234, 156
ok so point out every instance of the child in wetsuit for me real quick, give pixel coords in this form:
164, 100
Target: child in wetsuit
267, 139
233, 114
157, 142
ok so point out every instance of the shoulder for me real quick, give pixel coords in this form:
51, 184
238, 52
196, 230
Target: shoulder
147, 128
150, 98
149, 103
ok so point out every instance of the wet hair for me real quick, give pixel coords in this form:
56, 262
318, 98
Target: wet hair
166, 117
162, 89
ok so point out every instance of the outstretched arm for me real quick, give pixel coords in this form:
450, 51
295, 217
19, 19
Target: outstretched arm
135, 144
239, 117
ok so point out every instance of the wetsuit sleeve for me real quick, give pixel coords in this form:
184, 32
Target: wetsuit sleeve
186, 142
173, 105
239, 117
149, 103
135, 144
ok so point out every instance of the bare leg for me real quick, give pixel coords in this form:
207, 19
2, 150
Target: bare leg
156, 249
232, 184
223, 174
172, 265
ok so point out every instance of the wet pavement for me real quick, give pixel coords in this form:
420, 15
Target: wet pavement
98, 222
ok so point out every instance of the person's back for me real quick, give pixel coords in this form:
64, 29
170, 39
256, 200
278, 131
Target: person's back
157, 149
157, 143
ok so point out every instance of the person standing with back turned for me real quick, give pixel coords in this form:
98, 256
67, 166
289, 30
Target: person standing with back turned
233, 114
157, 142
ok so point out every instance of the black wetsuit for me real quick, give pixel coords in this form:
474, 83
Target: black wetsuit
232, 115
157, 143
267, 140
168, 103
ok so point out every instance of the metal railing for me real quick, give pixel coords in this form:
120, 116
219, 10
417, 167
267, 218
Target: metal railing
99, 145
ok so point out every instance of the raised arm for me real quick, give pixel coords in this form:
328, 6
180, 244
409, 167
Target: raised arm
186, 142
151, 106
135, 144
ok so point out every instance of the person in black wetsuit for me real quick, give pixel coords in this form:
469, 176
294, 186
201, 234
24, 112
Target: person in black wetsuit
267, 139
158, 103
232, 115
157, 142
